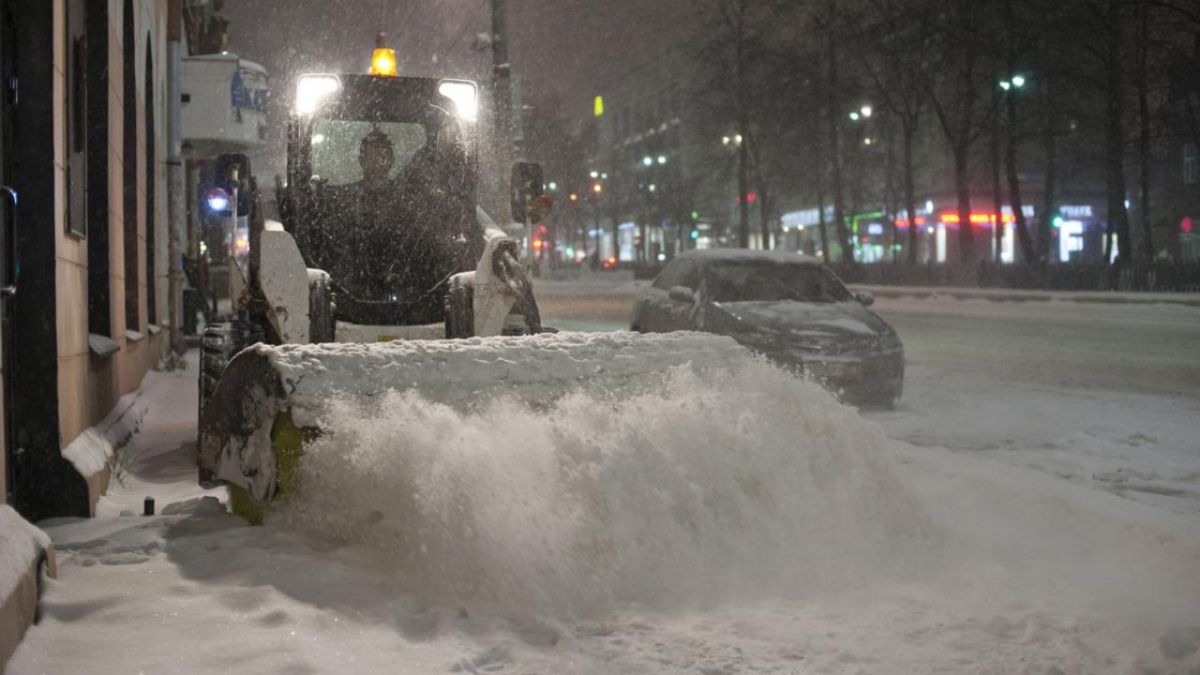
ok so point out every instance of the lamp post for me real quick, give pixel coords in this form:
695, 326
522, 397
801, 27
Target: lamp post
735, 144
858, 118
1009, 87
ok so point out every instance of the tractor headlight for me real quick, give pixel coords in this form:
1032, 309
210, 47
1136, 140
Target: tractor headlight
312, 90
465, 97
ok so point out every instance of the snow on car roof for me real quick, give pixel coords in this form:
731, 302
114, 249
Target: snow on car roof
729, 254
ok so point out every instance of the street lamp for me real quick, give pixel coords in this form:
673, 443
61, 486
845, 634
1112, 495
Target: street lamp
648, 160
863, 113
1014, 82
662, 159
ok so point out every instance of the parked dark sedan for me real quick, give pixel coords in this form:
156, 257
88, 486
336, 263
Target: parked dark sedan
788, 307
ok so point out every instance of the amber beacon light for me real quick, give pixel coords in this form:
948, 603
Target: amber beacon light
383, 60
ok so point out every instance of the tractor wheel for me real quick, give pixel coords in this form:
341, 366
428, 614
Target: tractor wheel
460, 315
321, 323
215, 352
221, 342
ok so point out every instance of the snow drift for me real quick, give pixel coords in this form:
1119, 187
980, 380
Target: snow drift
711, 483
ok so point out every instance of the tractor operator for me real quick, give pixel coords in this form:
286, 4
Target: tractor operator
396, 233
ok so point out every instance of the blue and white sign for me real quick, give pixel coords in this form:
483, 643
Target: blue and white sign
242, 97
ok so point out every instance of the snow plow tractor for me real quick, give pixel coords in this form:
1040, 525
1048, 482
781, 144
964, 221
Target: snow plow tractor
379, 239
383, 276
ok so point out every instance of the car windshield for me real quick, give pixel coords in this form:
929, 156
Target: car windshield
766, 281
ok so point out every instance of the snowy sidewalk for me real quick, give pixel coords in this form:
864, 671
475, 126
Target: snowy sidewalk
156, 460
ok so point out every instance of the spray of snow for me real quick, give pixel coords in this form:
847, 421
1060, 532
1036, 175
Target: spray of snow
714, 483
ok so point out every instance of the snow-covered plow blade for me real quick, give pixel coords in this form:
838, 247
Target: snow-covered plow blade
271, 400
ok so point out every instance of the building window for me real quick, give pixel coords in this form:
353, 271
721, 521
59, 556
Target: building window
76, 126
95, 69
1191, 164
151, 174
129, 218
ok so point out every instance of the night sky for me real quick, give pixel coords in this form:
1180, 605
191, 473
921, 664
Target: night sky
565, 49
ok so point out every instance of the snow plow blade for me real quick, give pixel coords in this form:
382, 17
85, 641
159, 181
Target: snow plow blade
270, 400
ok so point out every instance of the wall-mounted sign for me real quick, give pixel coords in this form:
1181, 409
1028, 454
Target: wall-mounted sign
1076, 211
242, 97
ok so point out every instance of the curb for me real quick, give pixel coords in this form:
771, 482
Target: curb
1008, 295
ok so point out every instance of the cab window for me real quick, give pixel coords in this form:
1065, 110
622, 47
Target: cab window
336, 147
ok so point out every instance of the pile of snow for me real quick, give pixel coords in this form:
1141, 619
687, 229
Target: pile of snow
20, 545
711, 484
93, 449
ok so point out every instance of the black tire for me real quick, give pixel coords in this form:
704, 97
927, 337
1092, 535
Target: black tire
322, 325
884, 399
460, 314
221, 342
215, 351
41, 575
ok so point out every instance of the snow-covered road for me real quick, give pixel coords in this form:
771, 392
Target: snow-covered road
1030, 507
1100, 393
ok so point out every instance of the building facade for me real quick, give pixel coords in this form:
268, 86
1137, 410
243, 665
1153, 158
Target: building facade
85, 259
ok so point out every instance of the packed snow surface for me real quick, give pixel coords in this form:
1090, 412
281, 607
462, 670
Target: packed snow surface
714, 521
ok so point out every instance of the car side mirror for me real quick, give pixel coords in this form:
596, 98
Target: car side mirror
527, 186
864, 298
682, 294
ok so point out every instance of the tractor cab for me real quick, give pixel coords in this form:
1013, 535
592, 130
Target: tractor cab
382, 175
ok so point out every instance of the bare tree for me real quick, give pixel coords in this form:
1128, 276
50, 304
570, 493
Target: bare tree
734, 54
899, 66
956, 23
